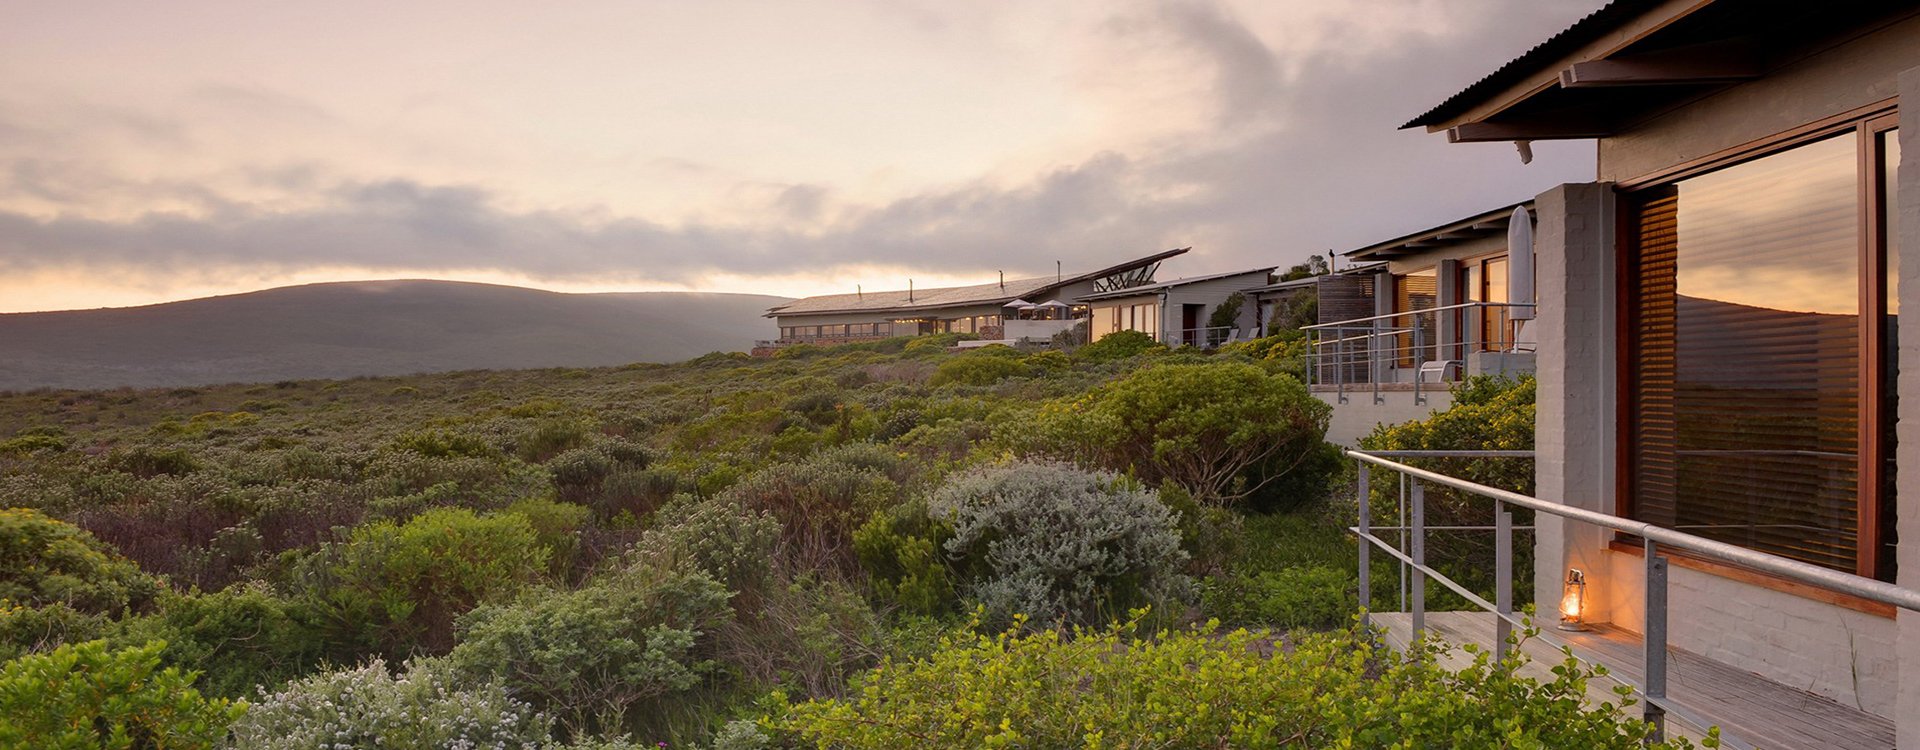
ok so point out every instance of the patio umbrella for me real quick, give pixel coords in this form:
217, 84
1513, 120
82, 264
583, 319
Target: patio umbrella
1053, 307
1019, 303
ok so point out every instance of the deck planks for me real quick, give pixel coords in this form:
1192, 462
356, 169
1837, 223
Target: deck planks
1753, 709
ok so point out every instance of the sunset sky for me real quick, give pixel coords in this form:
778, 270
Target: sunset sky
160, 151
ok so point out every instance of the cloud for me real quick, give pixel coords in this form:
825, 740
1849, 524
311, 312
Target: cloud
1291, 150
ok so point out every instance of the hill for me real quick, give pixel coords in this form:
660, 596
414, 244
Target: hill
348, 329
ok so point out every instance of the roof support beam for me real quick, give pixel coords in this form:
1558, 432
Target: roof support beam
1482, 132
1715, 62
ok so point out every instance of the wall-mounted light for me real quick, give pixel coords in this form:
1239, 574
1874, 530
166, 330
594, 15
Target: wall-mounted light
1573, 601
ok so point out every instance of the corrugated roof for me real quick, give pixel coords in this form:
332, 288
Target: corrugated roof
1581, 33
1157, 286
953, 296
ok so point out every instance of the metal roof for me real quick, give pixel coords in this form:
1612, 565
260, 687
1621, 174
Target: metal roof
1581, 33
1478, 225
904, 300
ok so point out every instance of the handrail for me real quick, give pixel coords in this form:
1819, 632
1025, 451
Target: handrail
1422, 311
1865, 588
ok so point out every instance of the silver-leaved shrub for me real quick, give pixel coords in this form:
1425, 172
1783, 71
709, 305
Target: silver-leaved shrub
425, 705
1060, 544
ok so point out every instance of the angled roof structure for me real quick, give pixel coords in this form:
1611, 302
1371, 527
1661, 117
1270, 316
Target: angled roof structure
1158, 286
914, 300
1475, 226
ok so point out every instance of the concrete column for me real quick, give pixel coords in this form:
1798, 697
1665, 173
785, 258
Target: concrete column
1447, 324
1907, 243
1575, 415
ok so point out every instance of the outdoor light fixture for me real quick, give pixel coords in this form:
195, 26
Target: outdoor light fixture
1573, 601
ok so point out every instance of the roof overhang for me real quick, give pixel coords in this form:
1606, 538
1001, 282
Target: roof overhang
1426, 240
1636, 59
1041, 291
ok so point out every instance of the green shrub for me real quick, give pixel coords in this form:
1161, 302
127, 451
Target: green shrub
552, 436
1116, 346
819, 502
729, 543
984, 366
44, 561
903, 550
556, 527
1055, 543
809, 636
425, 706
241, 638
1201, 689
397, 588
1221, 430
25, 444
1318, 597
445, 444
88, 696
628, 643
32, 630
147, 462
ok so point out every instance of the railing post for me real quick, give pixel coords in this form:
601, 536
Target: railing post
1502, 577
1656, 640
1418, 351
1419, 594
1366, 545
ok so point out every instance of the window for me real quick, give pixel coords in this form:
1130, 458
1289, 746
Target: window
1415, 291
1757, 399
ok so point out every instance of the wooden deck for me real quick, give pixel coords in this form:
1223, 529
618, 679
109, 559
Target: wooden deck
1752, 709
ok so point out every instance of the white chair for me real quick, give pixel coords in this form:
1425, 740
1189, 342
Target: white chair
1440, 371
1525, 339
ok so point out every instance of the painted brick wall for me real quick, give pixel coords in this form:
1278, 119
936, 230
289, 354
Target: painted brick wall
1907, 714
1573, 435
1833, 651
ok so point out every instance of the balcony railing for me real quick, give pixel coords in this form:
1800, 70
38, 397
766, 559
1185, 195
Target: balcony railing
1204, 338
1420, 348
1410, 551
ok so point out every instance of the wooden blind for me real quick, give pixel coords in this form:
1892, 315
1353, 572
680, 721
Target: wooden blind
1746, 363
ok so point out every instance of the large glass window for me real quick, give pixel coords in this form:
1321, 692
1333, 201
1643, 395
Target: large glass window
1750, 378
1413, 292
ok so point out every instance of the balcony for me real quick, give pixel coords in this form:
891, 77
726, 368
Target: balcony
1681, 692
1420, 351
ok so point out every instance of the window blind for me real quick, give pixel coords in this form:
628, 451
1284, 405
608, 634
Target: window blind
1746, 355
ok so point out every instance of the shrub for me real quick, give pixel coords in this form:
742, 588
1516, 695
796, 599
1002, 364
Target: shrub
629, 641
146, 461
1488, 413
1057, 543
241, 637
445, 444
396, 588
819, 502
729, 543
556, 527
31, 630
25, 444
980, 367
1118, 345
425, 706
86, 695
809, 635
903, 550
44, 561
1318, 597
1201, 689
1221, 430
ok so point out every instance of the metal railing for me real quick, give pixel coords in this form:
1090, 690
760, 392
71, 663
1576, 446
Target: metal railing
1415, 572
1378, 349
1204, 338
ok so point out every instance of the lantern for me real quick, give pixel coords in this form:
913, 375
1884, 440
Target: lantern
1573, 601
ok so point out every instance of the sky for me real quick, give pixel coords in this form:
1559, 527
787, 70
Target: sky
162, 151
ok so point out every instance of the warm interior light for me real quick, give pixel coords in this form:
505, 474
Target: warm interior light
1573, 601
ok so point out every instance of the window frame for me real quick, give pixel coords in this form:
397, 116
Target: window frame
1867, 124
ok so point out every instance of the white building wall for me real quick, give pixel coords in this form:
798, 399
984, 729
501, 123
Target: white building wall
1907, 704
1359, 415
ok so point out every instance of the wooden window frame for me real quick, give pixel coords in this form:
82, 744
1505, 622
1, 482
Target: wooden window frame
1866, 123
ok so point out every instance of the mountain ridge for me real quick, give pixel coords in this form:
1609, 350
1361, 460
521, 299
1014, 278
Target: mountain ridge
359, 328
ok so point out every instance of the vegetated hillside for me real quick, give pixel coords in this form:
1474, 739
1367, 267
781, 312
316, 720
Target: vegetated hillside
812, 550
351, 329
